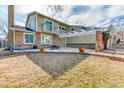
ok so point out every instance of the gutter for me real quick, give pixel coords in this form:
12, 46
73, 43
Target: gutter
11, 28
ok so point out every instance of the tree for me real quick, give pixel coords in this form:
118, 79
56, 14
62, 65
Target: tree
3, 28
106, 35
55, 10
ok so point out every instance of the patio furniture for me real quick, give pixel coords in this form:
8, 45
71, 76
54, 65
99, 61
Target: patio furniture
54, 47
35, 47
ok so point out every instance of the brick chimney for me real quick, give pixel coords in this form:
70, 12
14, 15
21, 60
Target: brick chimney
10, 15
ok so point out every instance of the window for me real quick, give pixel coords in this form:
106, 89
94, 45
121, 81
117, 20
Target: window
29, 38
72, 29
62, 28
48, 25
32, 22
43, 39
46, 39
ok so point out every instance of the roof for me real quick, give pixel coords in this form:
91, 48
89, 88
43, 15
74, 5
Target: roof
76, 25
22, 28
34, 12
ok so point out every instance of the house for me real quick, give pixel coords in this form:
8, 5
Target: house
41, 30
3, 43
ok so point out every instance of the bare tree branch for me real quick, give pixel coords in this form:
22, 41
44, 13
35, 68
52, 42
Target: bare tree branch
55, 10
3, 28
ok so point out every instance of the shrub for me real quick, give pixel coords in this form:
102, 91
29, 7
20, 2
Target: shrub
105, 38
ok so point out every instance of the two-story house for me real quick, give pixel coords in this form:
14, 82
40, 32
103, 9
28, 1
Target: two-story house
39, 30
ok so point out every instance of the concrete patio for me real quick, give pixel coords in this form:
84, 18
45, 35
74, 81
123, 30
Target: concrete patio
64, 49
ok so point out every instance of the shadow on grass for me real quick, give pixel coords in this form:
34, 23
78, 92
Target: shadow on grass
55, 64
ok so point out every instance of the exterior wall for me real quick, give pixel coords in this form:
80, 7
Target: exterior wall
86, 41
38, 39
10, 15
57, 40
10, 39
76, 28
40, 23
19, 42
99, 41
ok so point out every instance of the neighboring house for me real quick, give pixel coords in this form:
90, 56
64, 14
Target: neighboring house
3, 43
42, 30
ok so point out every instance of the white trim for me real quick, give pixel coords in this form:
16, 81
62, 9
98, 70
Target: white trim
11, 28
45, 19
28, 34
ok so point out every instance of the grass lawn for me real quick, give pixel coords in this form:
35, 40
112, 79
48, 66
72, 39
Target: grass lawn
22, 71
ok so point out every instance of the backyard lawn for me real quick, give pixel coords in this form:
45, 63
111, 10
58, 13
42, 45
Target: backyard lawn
60, 70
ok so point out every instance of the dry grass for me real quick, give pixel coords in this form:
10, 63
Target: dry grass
20, 71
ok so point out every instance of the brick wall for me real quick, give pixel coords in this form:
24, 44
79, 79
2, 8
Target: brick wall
57, 40
10, 39
38, 39
19, 42
99, 42
119, 46
10, 15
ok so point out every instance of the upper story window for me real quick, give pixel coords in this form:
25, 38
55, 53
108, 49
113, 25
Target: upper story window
32, 22
72, 29
62, 28
48, 25
29, 38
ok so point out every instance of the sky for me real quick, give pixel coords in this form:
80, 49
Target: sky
99, 15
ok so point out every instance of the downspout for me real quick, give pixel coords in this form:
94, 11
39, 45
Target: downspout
14, 39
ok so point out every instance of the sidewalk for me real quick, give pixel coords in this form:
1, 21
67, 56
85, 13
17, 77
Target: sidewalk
109, 55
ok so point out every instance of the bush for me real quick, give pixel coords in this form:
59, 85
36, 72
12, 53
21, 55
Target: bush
105, 38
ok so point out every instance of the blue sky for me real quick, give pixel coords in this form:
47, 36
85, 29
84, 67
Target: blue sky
76, 14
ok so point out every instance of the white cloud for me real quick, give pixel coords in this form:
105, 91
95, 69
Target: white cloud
91, 17
114, 11
96, 15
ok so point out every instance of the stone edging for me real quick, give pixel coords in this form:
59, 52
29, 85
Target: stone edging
94, 54
111, 57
